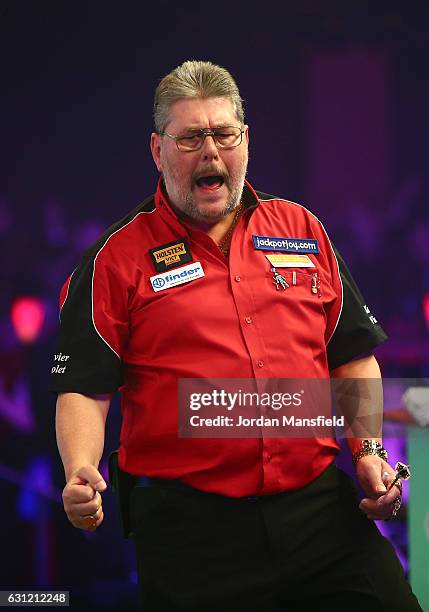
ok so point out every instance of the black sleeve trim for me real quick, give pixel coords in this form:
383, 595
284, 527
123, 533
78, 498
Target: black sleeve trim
83, 362
357, 332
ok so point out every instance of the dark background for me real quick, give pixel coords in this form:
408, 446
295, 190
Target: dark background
336, 96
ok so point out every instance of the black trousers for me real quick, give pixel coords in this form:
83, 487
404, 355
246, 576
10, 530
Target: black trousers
311, 549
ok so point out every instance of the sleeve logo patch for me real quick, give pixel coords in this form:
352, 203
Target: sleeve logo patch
370, 316
291, 245
170, 255
179, 276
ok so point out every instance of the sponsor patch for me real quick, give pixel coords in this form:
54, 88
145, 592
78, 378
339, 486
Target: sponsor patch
291, 245
170, 255
290, 261
176, 277
57, 369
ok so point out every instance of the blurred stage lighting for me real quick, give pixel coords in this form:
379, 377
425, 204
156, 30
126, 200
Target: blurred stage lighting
27, 315
425, 304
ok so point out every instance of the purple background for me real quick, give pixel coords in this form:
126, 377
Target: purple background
336, 97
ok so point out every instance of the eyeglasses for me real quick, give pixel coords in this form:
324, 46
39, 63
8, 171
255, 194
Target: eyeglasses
227, 137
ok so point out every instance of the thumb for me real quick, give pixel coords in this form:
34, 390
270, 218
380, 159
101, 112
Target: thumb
376, 483
380, 487
90, 475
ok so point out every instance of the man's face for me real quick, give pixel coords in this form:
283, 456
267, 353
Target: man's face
184, 171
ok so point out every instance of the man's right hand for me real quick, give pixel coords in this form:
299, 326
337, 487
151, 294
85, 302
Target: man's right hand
82, 499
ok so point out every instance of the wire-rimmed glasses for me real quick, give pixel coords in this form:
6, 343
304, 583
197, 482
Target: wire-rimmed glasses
226, 137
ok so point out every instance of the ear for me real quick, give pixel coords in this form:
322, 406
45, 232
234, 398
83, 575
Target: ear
155, 147
247, 133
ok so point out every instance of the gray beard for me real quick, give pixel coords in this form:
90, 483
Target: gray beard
234, 199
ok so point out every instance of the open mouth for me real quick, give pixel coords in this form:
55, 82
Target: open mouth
210, 183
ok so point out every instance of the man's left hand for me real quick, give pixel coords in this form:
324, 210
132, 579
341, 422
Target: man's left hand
374, 476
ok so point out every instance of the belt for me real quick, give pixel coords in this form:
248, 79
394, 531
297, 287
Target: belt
147, 481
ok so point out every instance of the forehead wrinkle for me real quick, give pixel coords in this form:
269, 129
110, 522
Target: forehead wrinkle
196, 109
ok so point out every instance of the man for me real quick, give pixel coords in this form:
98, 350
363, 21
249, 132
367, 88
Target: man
190, 285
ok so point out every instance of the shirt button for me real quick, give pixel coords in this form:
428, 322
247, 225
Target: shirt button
260, 364
269, 458
248, 319
238, 278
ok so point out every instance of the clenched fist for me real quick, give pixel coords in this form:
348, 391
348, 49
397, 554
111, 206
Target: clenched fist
82, 500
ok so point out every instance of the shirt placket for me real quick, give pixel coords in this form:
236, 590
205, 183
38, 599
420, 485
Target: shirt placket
249, 322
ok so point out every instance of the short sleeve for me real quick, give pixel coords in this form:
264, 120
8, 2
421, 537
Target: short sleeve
93, 330
357, 331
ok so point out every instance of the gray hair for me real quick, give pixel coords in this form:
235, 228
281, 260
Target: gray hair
195, 79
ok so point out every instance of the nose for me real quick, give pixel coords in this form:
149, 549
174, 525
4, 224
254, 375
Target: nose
209, 148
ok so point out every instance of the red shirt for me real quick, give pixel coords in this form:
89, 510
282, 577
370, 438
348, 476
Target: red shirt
118, 332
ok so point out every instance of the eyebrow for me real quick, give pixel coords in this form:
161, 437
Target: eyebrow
215, 127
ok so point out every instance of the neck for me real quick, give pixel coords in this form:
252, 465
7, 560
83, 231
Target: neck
215, 229
222, 231
204, 226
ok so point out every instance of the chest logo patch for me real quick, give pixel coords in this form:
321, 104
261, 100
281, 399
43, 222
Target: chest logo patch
170, 255
290, 261
291, 245
185, 274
